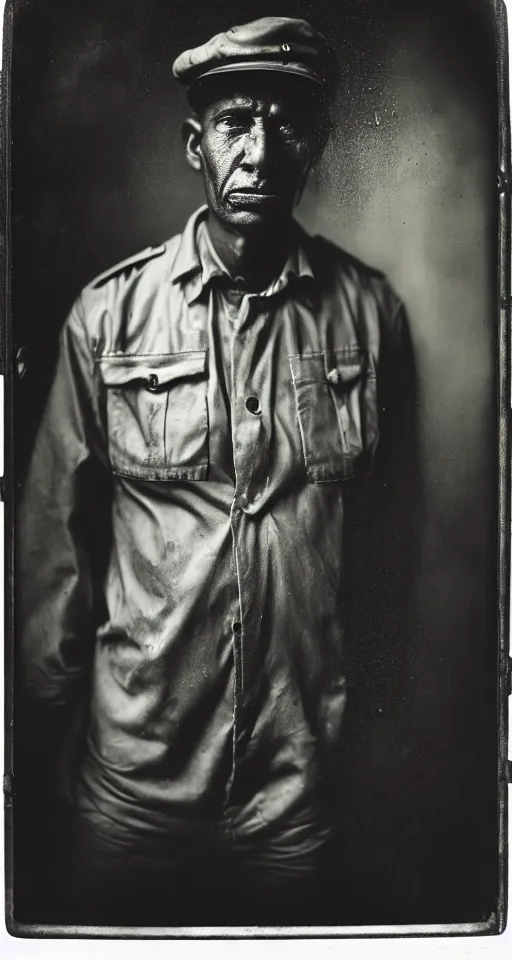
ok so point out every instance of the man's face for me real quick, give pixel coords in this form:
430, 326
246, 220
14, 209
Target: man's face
255, 149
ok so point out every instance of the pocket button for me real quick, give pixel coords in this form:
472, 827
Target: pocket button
152, 381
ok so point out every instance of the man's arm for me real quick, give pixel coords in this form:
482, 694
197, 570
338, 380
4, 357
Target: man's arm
62, 513
383, 521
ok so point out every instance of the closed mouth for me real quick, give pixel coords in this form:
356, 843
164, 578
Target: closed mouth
250, 195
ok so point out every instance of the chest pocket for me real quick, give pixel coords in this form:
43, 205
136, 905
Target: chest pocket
157, 415
336, 398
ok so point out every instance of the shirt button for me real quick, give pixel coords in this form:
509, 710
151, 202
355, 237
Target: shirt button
253, 406
245, 503
152, 381
237, 626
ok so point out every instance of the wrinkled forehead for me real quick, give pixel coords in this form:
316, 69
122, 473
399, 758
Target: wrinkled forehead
254, 90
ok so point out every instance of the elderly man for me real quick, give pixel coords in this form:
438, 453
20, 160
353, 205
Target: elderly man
221, 394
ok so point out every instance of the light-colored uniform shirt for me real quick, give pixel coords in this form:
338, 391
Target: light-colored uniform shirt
224, 432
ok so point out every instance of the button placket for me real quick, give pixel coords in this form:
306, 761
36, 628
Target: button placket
246, 448
249, 424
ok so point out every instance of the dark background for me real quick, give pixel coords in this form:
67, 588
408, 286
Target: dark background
408, 184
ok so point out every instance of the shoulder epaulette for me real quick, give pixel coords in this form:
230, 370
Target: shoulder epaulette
137, 258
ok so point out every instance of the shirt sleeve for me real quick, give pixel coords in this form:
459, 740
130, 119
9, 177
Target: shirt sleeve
385, 516
394, 492
64, 495
397, 392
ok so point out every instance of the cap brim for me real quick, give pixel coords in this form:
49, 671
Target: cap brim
275, 66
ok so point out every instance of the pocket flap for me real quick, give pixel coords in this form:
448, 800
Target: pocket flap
332, 366
344, 371
155, 370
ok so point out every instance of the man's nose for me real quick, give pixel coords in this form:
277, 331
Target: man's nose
257, 148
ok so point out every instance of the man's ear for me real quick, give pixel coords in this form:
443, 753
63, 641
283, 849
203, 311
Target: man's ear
192, 132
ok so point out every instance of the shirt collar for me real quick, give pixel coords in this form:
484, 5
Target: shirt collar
197, 262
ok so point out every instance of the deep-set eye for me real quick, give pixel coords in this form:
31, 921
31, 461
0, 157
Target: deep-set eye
232, 123
288, 128
290, 124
